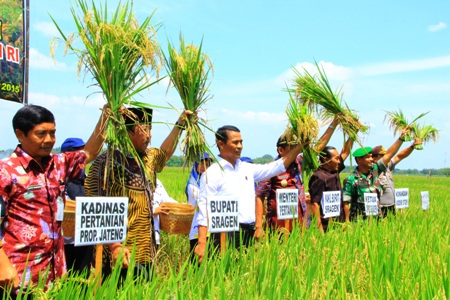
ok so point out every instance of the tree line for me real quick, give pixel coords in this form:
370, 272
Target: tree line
178, 161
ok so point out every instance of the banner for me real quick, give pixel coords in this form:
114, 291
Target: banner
14, 23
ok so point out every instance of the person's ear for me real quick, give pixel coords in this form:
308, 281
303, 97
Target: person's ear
20, 135
220, 144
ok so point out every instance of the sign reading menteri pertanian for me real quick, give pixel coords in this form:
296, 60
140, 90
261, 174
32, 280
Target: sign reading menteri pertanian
223, 214
287, 204
100, 220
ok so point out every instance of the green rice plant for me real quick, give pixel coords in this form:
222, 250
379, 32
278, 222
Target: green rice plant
119, 53
316, 93
425, 133
398, 122
401, 257
188, 69
303, 128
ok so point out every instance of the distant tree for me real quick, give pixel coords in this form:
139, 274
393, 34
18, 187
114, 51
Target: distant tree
262, 160
175, 161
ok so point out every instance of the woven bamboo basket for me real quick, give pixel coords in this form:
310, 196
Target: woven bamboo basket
179, 219
68, 223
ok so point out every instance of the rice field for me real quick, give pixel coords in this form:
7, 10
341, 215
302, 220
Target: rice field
406, 257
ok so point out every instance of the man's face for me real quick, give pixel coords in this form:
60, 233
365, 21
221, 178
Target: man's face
333, 163
365, 161
140, 137
39, 141
231, 150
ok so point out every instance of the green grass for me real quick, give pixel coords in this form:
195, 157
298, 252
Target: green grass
406, 257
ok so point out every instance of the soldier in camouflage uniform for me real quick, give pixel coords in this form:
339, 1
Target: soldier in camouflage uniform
365, 179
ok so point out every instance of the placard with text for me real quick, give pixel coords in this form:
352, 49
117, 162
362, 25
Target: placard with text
331, 204
425, 196
371, 204
401, 198
223, 214
100, 220
287, 204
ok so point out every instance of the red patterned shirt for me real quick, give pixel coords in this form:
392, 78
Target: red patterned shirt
30, 233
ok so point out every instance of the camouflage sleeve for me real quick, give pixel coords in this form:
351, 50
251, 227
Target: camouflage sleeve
347, 191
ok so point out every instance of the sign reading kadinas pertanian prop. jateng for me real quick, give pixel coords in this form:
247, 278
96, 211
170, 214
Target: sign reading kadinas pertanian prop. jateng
287, 204
100, 220
14, 19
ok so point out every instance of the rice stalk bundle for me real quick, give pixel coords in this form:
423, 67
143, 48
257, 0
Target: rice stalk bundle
188, 69
398, 122
316, 93
303, 128
119, 53
425, 133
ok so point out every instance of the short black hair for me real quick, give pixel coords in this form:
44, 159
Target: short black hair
222, 135
325, 154
31, 115
137, 115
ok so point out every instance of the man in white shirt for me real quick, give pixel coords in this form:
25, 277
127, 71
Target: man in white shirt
230, 177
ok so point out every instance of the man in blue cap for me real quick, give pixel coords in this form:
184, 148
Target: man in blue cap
365, 179
76, 258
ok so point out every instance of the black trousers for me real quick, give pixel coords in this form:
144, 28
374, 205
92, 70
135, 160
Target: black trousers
243, 237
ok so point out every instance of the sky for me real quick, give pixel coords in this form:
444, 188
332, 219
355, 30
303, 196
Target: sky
385, 55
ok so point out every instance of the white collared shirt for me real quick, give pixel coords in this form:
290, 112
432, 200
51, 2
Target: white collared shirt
238, 183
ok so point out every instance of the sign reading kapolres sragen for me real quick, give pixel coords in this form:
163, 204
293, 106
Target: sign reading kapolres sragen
100, 220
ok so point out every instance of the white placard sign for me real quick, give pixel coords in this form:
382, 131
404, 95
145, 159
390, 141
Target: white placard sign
223, 214
401, 198
371, 204
100, 220
287, 204
425, 200
331, 204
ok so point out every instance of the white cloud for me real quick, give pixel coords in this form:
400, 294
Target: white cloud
334, 72
404, 66
41, 61
47, 29
437, 27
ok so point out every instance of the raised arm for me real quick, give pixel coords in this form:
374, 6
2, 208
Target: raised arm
345, 152
406, 152
170, 143
393, 149
325, 138
94, 144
